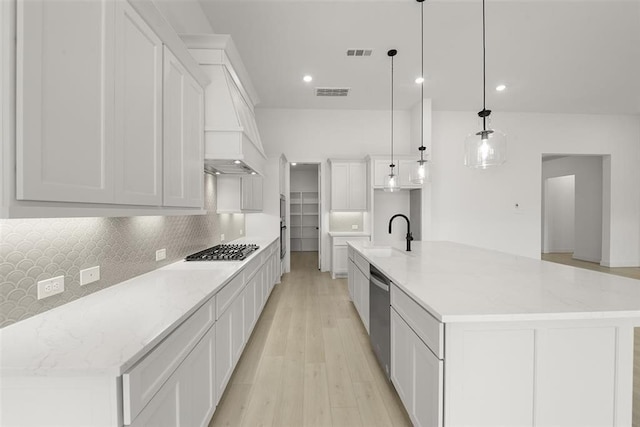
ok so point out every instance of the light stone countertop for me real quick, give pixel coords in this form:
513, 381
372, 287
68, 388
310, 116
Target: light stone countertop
460, 283
107, 332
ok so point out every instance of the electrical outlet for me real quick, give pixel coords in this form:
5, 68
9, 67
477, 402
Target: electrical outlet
50, 287
241, 231
222, 237
89, 275
354, 226
161, 254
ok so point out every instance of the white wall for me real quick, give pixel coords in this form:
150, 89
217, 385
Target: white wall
310, 136
385, 206
185, 16
304, 180
559, 214
477, 207
588, 201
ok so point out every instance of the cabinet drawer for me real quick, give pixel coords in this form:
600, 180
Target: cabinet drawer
362, 264
427, 327
144, 380
231, 290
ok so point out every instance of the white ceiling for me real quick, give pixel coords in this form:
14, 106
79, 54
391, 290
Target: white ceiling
567, 56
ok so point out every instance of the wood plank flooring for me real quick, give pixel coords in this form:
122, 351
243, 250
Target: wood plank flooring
309, 361
632, 272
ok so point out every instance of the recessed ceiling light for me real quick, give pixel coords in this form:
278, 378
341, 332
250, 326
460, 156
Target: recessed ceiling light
419, 80
500, 88
307, 78
253, 173
293, 164
217, 173
237, 162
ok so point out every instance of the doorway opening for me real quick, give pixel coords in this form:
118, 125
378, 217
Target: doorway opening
305, 208
572, 208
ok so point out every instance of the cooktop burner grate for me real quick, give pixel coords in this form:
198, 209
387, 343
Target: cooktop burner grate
224, 253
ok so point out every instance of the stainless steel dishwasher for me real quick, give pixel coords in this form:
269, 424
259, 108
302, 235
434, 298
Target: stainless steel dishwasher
380, 317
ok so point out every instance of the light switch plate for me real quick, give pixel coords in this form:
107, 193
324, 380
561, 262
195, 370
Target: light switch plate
161, 254
50, 287
222, 237
89, 275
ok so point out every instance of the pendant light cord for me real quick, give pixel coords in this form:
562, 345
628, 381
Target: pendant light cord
423, 80
484, 70
392, 165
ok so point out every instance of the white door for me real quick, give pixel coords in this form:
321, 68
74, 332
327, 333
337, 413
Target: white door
194, 143
65, 100
401, 360
138, 117
237, 328
249, 296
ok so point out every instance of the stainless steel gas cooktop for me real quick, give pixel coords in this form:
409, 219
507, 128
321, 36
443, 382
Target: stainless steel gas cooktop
224, 253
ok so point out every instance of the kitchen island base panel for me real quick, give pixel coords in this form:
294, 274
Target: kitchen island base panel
48, 397
539, 373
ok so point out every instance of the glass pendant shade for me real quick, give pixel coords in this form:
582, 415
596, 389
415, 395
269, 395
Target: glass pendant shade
421, 172
391, 183
485, 149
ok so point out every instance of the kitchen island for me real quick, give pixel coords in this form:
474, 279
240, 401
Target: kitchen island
480, 337
158, 349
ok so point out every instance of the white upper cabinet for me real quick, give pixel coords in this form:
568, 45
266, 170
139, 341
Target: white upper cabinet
138, 101
183, 135
348, 185
65, 101
404, 165
88, 105
239, 193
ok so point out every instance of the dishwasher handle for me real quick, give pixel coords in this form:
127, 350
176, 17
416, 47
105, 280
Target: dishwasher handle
377, 282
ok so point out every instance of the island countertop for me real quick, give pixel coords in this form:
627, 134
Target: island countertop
460, 283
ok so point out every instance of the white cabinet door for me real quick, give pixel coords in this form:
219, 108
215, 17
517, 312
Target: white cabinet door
224, 353
401, 359
358, 186
65, 101
380, 171
200, 367
194, 143
340, 258
183, 136
251, 193
351, 276
339, 186
364, 298
249, 297
417, 375
428, 386
237, 328
138, 118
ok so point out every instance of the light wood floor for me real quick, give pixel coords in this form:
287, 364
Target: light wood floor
632, 272
309, 361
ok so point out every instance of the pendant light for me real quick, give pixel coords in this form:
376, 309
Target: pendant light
488, 147
420, 173
391, 180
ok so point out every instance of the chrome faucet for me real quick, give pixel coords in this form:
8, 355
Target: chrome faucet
409, 235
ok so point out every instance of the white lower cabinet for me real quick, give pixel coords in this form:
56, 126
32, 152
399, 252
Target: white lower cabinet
417, 375
188, 398
224, 350
359, 290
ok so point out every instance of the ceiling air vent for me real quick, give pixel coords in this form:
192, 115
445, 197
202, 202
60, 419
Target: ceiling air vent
332, 91
359, 52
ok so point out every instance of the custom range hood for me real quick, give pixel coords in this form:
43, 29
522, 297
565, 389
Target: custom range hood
232, 142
